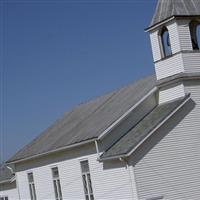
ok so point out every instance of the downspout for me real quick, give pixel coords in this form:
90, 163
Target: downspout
11, 169
97, 149
136, 191
17, 185
133, 186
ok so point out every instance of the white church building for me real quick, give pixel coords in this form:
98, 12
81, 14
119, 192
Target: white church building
140, 142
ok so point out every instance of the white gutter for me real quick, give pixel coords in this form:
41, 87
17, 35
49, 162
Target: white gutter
13, 179
140, 143
97, 148
53, 151
5, 181
11, 169
112, 126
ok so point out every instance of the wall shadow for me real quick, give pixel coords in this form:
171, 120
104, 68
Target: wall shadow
163, 131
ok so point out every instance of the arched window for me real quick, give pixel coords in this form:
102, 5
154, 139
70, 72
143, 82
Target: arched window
198, 34
195, 34
165, 42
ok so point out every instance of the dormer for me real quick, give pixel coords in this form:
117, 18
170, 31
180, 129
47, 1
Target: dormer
175, 37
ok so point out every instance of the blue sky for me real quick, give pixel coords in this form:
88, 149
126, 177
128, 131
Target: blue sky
56, 54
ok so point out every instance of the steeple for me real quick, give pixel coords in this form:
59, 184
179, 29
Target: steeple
175, 40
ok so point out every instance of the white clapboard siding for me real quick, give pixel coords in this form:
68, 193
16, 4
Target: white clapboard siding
155, 44
41, 175
22, 184
182, 62
171, 167
171, 92
184, 35
9, 190
174, 31
109, 183
169, 66
174, 37
71, 179
191, 62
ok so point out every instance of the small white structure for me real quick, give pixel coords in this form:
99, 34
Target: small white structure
140, 142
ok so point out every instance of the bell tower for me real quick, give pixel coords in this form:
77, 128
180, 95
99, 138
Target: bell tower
175, 40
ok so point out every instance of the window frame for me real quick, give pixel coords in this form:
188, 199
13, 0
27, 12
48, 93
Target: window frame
87, 182
32, 189
3, 197
56, 184
163, 46
195, 40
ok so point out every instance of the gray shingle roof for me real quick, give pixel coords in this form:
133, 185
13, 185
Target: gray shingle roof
88, 120
5, 174
134, 136
169, 8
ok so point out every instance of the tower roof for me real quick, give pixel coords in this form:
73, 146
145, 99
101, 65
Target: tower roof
169, 8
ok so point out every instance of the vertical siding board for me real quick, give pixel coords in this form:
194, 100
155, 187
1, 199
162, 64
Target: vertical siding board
172, 167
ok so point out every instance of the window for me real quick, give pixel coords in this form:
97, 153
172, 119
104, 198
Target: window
195, 34
3, 198
31, 186
87, 183
56, 183
165, 43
